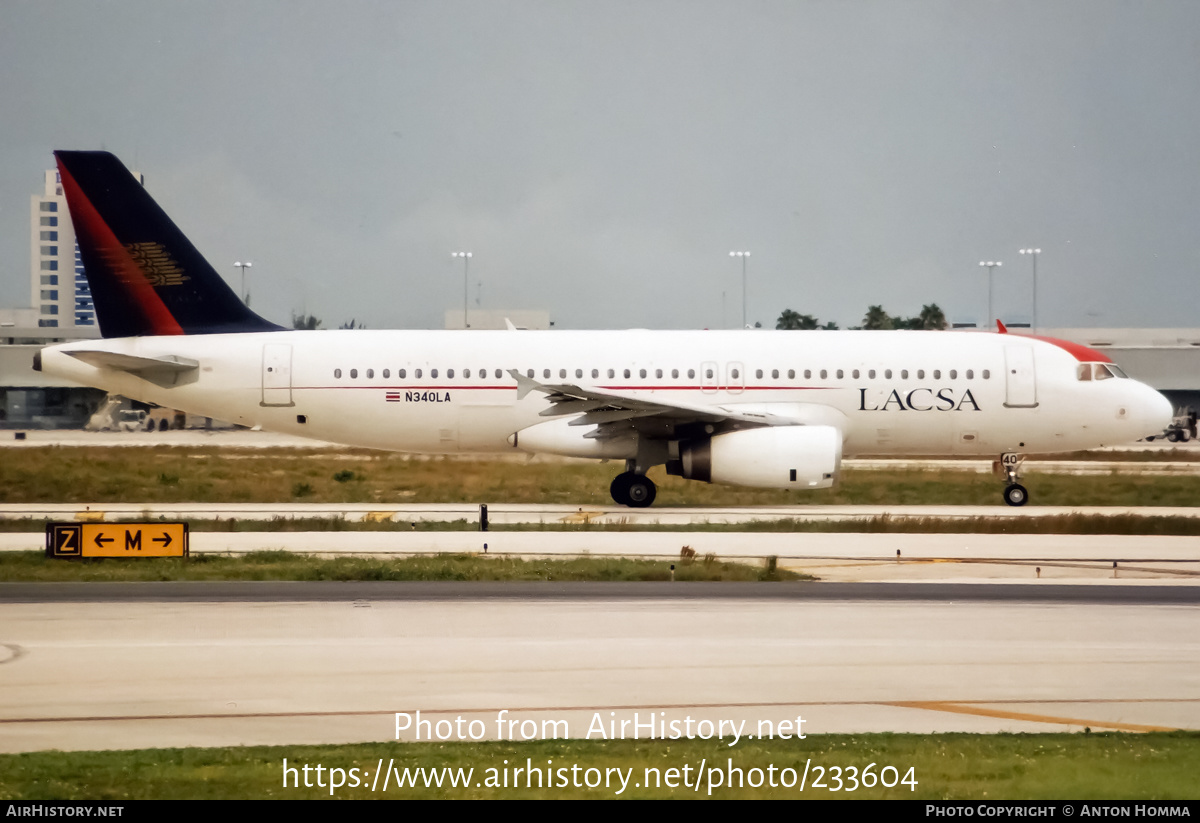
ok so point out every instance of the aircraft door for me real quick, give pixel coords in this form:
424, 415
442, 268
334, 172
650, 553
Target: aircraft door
708, 377
735, 378
277, 375
1020, 379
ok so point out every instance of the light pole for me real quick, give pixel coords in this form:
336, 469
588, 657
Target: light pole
1034, 253
466, 258
243, 267
744, 255
990, 266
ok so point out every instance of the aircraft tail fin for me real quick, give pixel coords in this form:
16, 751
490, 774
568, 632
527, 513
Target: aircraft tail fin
146, 277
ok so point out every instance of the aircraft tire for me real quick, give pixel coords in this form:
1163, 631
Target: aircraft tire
1016, 495
620, 488
640, 492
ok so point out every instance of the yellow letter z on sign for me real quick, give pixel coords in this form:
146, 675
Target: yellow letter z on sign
117, 540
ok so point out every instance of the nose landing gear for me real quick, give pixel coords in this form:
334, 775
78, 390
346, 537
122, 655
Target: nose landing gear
634, 490
1014, 493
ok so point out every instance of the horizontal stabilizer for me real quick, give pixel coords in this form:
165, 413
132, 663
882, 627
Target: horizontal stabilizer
165, 370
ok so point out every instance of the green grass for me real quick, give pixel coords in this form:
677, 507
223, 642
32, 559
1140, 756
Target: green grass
1157, 766
889, 524
278, 565
173, 475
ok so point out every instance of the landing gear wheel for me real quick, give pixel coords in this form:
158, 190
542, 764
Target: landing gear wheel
1016, 495
620, 488
633, 489
641, 491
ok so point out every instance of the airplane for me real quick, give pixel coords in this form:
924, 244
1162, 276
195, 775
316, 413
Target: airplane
768, 409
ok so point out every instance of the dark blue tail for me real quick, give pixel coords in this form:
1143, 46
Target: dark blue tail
146, 277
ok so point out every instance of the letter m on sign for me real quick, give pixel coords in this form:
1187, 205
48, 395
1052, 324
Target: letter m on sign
133, 540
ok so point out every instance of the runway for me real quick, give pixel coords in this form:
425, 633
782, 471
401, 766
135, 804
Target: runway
122, 672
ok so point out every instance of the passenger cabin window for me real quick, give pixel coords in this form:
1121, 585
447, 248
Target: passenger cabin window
658, 373
691, 374
791, 374
337, 373
871, 374
370, 373
954, 374
417, 374
840, 374
387, 373
920, 374
986, 374
808, 374
562, 373
466, 374
433, 373
904, 374
708, 373
402, 373
674, 373
774, 374
735, 373
450, 373
937, 374
627, 374
887, 374
854, 374
545, 374
611, 373
758, 374
354, 372
824, 374
642, 373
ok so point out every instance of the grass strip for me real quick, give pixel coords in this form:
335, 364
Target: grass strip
174, 475
278, 565
1112, 766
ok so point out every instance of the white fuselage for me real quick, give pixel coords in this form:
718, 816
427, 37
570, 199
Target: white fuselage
897, 392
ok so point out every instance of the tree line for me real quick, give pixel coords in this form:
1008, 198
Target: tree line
930, 318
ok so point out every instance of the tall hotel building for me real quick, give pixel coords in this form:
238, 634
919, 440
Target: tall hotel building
60, 293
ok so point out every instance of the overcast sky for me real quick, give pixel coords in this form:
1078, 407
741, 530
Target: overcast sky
601, 159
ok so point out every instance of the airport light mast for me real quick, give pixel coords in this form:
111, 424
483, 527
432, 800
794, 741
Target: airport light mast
243, 267
1034, 254
744, 255
991, 265
466, 258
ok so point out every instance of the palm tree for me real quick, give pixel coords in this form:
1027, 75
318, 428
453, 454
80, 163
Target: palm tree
791, 320
876, 318
932, 317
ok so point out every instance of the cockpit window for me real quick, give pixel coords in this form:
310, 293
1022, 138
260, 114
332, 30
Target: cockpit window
1098, 371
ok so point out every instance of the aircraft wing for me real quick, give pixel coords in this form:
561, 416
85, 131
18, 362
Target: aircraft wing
615, 413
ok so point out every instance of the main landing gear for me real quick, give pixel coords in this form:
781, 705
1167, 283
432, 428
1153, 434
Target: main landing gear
1014, 493
633, 489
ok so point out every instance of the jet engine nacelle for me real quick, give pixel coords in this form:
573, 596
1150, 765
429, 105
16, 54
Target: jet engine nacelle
776, 457
560, 437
